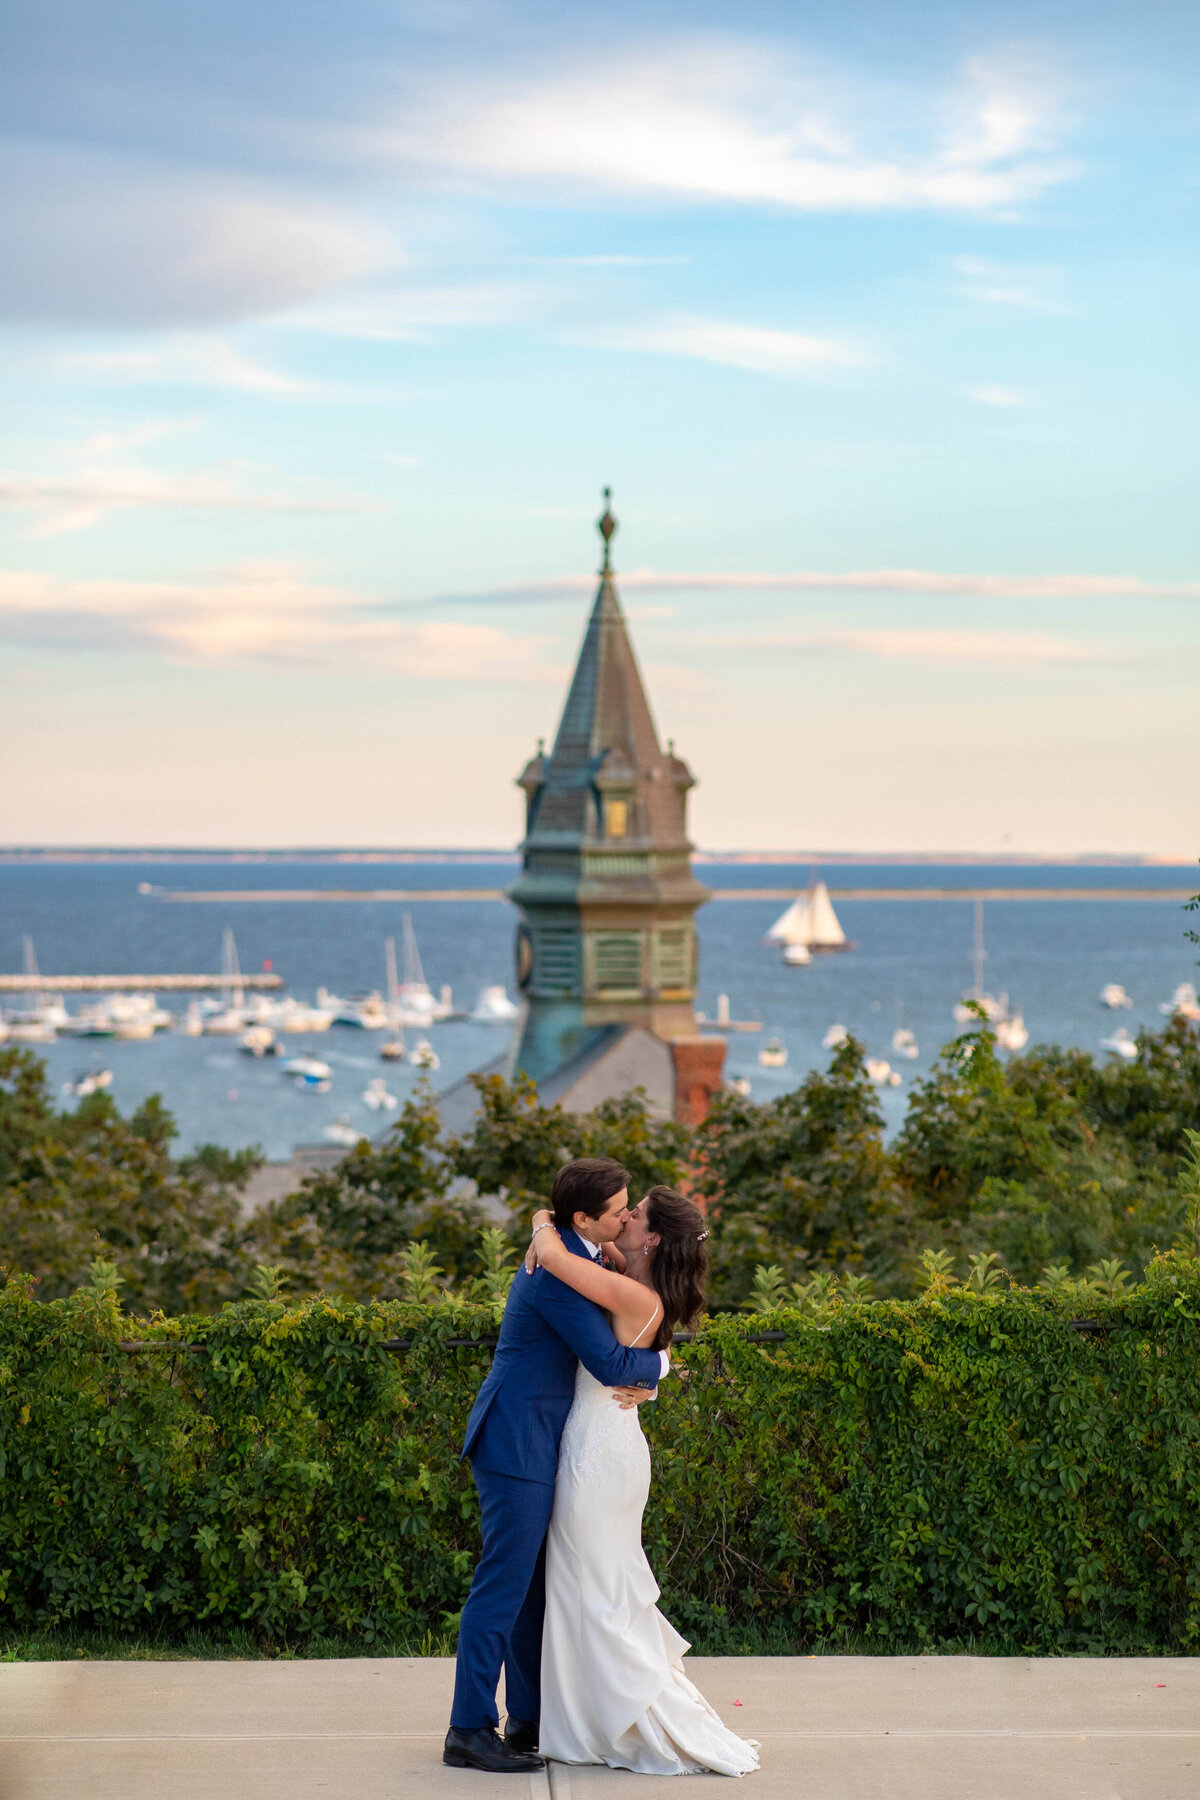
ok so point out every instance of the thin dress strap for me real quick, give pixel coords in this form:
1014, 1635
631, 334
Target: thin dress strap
646, 1326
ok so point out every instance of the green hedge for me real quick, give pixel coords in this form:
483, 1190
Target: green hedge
908, 1471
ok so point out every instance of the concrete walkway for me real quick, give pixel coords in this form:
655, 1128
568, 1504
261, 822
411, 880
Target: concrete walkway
831, 1728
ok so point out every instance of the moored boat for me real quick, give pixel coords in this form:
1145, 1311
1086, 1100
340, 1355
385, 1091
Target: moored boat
494, 1007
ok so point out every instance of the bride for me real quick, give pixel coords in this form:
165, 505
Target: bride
613, 1686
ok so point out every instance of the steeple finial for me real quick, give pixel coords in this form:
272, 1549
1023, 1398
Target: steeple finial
606, 525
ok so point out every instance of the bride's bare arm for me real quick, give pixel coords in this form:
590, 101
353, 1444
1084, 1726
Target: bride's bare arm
628, 1301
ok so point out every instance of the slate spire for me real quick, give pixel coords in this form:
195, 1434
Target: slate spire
606, 889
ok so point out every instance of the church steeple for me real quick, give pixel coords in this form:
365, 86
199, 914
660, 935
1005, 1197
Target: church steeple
606, 888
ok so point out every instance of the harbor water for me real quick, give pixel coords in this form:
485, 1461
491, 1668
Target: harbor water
912, 960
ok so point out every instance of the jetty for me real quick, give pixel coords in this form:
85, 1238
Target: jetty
409, 896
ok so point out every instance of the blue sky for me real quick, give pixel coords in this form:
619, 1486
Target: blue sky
321, 329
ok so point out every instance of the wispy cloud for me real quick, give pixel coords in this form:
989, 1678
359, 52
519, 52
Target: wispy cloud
908, 582
184, 360
261, 613
1029, 288
405, 315
95, 239
753, 347
101, 477
728, 120
925, 645
1008, 399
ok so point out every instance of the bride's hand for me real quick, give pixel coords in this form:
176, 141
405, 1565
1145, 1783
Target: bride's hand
542, 1217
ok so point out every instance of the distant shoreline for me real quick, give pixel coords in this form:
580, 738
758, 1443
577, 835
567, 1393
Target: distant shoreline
26, 855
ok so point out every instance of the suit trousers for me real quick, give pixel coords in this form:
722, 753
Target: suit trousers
501, 1623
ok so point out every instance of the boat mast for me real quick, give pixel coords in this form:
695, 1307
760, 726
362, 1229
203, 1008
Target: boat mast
230, 969
31, 969
980, 952
414, 974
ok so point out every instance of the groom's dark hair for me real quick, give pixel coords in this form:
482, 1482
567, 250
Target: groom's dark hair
585, 1185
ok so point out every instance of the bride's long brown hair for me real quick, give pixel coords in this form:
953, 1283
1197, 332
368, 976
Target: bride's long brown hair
680, 1270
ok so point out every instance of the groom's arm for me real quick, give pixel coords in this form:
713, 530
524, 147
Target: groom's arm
582, 1325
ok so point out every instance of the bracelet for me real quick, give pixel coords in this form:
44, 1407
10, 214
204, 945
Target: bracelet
546, 1225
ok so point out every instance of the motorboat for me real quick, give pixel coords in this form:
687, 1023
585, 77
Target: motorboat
260, 1040
95, 1021
342, 1132
31, 1031
881, 1072
134, 1030
739, 1085
229, 1022
808, 924
1183, 1003
191, 1023
312, 1084
835, 1037
376, 1096
424, 1056
295, 1016
904, 1043
1113, 995
366, 1012
91, 1083
1012, 1033
773, 1054
394, 1049
495, 1008
1122, 1043
139, 1009
308, 1068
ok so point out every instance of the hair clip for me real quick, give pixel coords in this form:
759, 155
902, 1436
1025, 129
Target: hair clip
700, 1236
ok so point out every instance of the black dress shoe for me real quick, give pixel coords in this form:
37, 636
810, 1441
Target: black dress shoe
521, 1734
485, 1749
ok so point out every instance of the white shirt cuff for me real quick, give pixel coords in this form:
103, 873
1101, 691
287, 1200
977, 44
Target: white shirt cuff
665, 1360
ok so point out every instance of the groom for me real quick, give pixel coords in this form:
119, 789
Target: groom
512, 1440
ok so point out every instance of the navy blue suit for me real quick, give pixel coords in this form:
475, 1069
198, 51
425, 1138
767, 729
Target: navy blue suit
512, 1440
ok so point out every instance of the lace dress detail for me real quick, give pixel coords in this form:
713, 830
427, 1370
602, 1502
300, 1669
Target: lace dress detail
613, 1686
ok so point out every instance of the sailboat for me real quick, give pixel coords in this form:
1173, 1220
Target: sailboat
234, 1018
45, 1016
964, 1012
393, 1048
808, 924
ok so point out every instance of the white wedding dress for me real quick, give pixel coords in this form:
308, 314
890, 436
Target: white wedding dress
613, 1686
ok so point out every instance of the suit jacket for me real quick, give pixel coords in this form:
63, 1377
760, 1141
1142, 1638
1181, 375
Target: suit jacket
519, 1412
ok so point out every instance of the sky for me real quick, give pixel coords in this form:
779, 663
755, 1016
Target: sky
322, 329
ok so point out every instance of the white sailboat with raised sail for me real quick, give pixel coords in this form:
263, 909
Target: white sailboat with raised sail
808, 925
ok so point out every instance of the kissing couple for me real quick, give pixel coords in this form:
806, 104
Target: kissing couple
563, 1598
